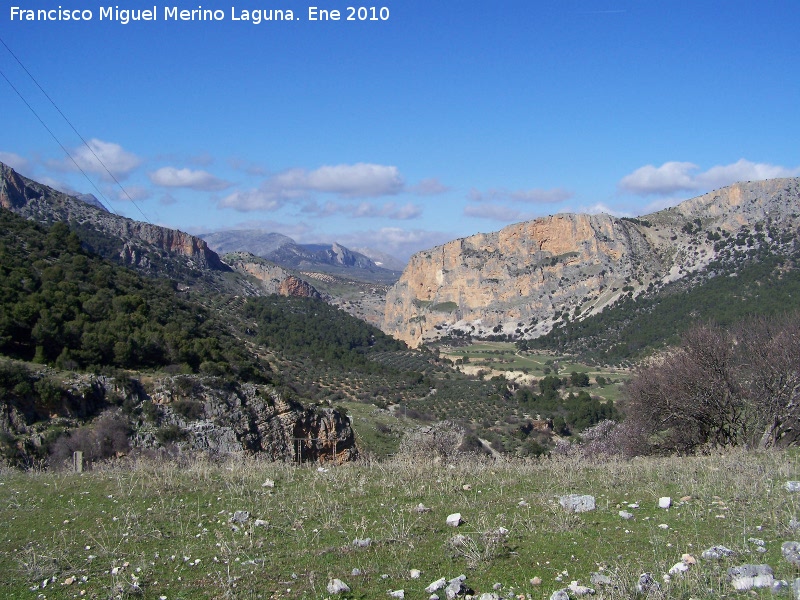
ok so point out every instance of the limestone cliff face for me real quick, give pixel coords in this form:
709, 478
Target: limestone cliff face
523, 278
256, 419
135, 241
273, 279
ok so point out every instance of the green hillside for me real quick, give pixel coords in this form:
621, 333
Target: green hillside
764, 285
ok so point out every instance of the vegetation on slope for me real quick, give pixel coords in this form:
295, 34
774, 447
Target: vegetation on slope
62, 306
764, 285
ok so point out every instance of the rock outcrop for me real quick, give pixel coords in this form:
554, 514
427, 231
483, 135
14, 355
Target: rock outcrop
133, 243
198, 413
520, 280
272, 278
250, 418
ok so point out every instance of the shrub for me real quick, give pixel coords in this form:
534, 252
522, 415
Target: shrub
104, 438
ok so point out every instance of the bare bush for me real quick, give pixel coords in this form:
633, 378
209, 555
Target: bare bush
104, 438
441, 440
721, 388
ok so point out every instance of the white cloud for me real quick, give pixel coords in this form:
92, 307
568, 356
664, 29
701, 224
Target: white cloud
250, 200
98, 157
15, 161
673, 177
370, 210
187, 178
669, 178
742, 170
361, 180
532, 196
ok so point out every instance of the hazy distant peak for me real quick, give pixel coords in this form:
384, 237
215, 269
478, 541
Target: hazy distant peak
91, 200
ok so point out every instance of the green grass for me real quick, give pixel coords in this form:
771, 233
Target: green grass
165, 526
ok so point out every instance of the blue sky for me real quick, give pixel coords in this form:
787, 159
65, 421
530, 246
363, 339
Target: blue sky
447, 119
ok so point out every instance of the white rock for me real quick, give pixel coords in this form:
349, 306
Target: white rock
580, 590
577, 503
454, 520
269, 483
792, 486
398, 594
625, 515
414, 573
337, 586
664, 502
436, 585
678, 568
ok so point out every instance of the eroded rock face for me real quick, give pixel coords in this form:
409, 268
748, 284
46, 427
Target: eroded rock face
522, 279
136, 239
253, 418
273, 279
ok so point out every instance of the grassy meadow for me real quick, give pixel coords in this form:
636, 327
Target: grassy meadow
148, 528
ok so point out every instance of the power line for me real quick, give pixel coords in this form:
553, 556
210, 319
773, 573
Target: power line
85, 143
57, 140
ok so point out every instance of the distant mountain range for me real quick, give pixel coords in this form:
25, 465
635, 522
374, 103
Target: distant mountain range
283, 250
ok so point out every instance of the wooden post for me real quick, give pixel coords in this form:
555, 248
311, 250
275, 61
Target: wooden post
77, 461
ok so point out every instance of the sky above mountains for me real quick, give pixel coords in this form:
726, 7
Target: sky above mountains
400, 133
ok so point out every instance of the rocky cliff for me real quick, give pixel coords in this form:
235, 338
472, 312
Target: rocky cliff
133, 243
518, 281
192, 412
272, 278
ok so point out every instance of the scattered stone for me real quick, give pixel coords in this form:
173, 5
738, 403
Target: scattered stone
433, 597
634, 505
647, 584
559, 595
240, 516
600, 579
522, 504
337, 586
626, 515
794, 524
780, 586
260, 523
577, 503
398, 594
663, 526
688, 559
269, 483
664, 502
414, 573
747, 577
717, 552
497, 587
536, 580
421, 508
500, 531
436, 585
488, 596
69, 581
791, 552
455, 587
365, 543
792, 486
466, 487
796, 589
580, 590
679, 568
454, 520
356, 572
686, 498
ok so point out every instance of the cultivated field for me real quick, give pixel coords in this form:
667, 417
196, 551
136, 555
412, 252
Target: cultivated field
147, 528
